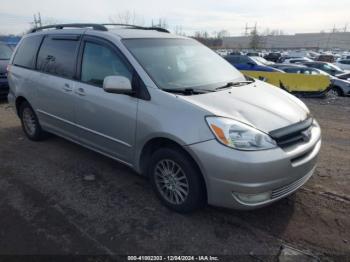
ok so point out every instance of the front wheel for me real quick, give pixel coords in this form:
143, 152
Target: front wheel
335, 91
176, 181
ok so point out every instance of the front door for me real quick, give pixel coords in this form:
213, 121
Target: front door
107, 121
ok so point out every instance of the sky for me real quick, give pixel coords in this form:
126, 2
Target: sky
290, 16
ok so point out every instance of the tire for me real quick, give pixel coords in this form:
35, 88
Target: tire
181, 190
30, 123
335, 91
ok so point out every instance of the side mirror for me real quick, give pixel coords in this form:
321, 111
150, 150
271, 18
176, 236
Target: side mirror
117, 85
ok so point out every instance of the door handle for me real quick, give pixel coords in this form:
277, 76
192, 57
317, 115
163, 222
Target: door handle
80, 91
67, 88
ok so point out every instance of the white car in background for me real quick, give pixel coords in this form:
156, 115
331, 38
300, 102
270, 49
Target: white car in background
297, 60
262, 60
343, 64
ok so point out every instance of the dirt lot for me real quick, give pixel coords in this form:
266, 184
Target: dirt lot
59, 198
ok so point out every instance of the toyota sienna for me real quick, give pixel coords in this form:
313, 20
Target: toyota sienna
168, 107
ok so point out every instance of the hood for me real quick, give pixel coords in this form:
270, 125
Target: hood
3, 65
340, 82
260, 105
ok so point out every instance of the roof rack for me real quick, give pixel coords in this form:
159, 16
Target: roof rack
159, 29
99, 27
61, 26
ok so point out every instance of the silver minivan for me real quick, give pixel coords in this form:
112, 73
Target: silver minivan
168, 107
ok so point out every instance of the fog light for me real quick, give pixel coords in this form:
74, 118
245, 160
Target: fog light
253, 198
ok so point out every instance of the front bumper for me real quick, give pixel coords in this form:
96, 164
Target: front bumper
279, 172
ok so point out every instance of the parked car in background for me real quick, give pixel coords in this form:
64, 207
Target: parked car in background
169, 108
297, 53
243, 62
345, 56
235, 53
343, 64
262, 60
296, 60
273, 57
326, 67
345, 76
11, 45
339, 87
296, 69
326, 58
257, 54
221, 52
5, 55
313, 55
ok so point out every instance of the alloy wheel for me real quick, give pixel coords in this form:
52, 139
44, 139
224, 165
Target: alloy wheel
29, 121
171, 181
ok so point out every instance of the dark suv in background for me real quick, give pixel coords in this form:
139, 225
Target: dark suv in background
5, 55
274, 57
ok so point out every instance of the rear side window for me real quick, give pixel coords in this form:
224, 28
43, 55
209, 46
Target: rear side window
57, 55
26, 52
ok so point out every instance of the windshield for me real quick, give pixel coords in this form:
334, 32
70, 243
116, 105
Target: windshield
182, 63
5, 52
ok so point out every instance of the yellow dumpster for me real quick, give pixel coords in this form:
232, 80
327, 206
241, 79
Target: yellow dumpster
293, 82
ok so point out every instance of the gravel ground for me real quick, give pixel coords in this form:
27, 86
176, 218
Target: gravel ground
59, 198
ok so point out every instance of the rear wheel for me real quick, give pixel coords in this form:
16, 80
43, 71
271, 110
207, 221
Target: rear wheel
176, 181
30, 122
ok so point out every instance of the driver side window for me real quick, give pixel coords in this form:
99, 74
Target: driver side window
100, 61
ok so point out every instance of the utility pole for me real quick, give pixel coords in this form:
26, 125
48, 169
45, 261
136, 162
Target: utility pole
330, 35
248, 29
37, 20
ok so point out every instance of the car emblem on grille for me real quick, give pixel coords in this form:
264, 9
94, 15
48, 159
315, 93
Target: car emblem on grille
306, 135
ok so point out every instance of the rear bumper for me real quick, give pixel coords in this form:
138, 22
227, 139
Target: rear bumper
232, 176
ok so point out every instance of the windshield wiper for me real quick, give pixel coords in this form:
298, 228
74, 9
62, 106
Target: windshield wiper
231, 84
187, 91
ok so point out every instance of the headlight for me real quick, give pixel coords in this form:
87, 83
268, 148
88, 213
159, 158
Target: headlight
238, 135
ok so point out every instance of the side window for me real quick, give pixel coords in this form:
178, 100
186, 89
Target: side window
57, 56
245, 60
233, 59
26, 52
100, 61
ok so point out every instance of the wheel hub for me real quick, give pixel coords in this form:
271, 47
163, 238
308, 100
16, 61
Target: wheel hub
29, 121
171, 181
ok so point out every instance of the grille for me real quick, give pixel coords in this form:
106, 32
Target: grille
293, 134
289, 188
